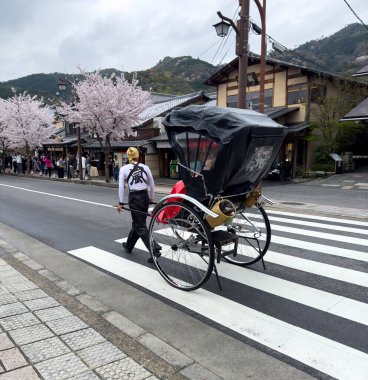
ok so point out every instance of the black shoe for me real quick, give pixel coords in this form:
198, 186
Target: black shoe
156, 253
127, 250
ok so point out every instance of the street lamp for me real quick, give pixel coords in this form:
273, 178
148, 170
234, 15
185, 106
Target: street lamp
242, 47
62, 87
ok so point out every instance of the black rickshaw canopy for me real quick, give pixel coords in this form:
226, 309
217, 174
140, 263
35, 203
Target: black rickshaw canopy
231, 148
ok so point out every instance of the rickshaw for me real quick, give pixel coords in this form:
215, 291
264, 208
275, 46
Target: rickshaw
215, 213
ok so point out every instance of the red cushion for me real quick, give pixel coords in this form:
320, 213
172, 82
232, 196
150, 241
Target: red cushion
171, 212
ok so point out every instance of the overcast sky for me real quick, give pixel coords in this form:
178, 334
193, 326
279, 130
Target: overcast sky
45, 36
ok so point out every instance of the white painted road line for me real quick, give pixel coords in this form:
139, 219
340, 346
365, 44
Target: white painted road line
58, 196
318, 217
316, 351
334, 304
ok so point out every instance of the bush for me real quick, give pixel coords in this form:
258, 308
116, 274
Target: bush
323, 167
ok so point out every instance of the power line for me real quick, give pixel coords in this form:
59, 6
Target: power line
356, 14
272, 40
218, 41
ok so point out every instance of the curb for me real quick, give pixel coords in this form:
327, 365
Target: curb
164, 361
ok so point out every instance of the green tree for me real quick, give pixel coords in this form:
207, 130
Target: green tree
328, 109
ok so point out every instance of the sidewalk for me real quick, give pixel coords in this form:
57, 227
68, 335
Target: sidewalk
52, 330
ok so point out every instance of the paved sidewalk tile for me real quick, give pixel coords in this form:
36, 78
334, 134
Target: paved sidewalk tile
12, 359
97, 356
27, 373
36, 329
5, 342
12, 309
82, 339
66, 325
30, 334
45, 349
41, 303
19, 321
123, 369
61, 367
53, 313
32, 294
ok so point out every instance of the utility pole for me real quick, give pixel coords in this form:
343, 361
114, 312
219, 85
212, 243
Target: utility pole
242, 50
262, 74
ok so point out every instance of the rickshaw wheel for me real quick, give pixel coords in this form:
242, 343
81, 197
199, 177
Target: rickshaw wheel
253, 228
187, 254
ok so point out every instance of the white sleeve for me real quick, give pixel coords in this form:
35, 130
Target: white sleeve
121, 184
151, 183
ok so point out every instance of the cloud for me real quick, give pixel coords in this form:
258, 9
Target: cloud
57, 36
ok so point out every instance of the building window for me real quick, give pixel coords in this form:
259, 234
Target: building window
297, 93
232, 101
318, 92
253, 99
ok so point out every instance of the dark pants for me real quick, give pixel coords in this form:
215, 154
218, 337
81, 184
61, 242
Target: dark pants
60, 172
138, 200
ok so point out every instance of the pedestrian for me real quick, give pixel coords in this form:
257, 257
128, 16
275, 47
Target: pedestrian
84, 166
19, 163
71, 166
116, 168
48, 164
61, 167
14, 163
88, 163
138, 177
36, 165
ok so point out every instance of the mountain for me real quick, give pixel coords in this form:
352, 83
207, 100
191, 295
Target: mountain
181, 75
344, 52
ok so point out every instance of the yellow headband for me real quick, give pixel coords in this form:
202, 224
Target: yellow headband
132, 154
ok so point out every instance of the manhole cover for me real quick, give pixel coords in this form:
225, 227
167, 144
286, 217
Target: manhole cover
292, 203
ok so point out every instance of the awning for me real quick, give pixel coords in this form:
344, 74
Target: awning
56, 142
117, 144
360, 112
163, 145
297, 127
275, 112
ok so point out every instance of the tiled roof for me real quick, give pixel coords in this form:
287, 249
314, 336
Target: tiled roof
161, 108
361, 72
360, 112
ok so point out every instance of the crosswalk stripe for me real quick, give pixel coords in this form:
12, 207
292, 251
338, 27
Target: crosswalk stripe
320, 235
318, 299
311, 233
317, 217
320, 248
310, 246
320, 269
334, 227
316, 351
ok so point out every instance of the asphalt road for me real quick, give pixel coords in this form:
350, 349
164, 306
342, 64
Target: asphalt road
68, 216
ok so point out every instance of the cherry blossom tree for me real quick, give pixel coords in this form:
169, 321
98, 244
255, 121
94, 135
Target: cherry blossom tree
27, 121
4, 139
107, 107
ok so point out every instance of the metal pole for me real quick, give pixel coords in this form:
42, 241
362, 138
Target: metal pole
242, 48
262, 12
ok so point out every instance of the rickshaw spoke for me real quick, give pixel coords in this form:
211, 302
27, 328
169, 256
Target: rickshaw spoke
187, 254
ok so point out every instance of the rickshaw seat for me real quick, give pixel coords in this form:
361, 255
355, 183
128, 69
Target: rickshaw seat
171, 212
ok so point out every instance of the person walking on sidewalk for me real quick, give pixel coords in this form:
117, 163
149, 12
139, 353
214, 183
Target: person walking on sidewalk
138, 177
49, 165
